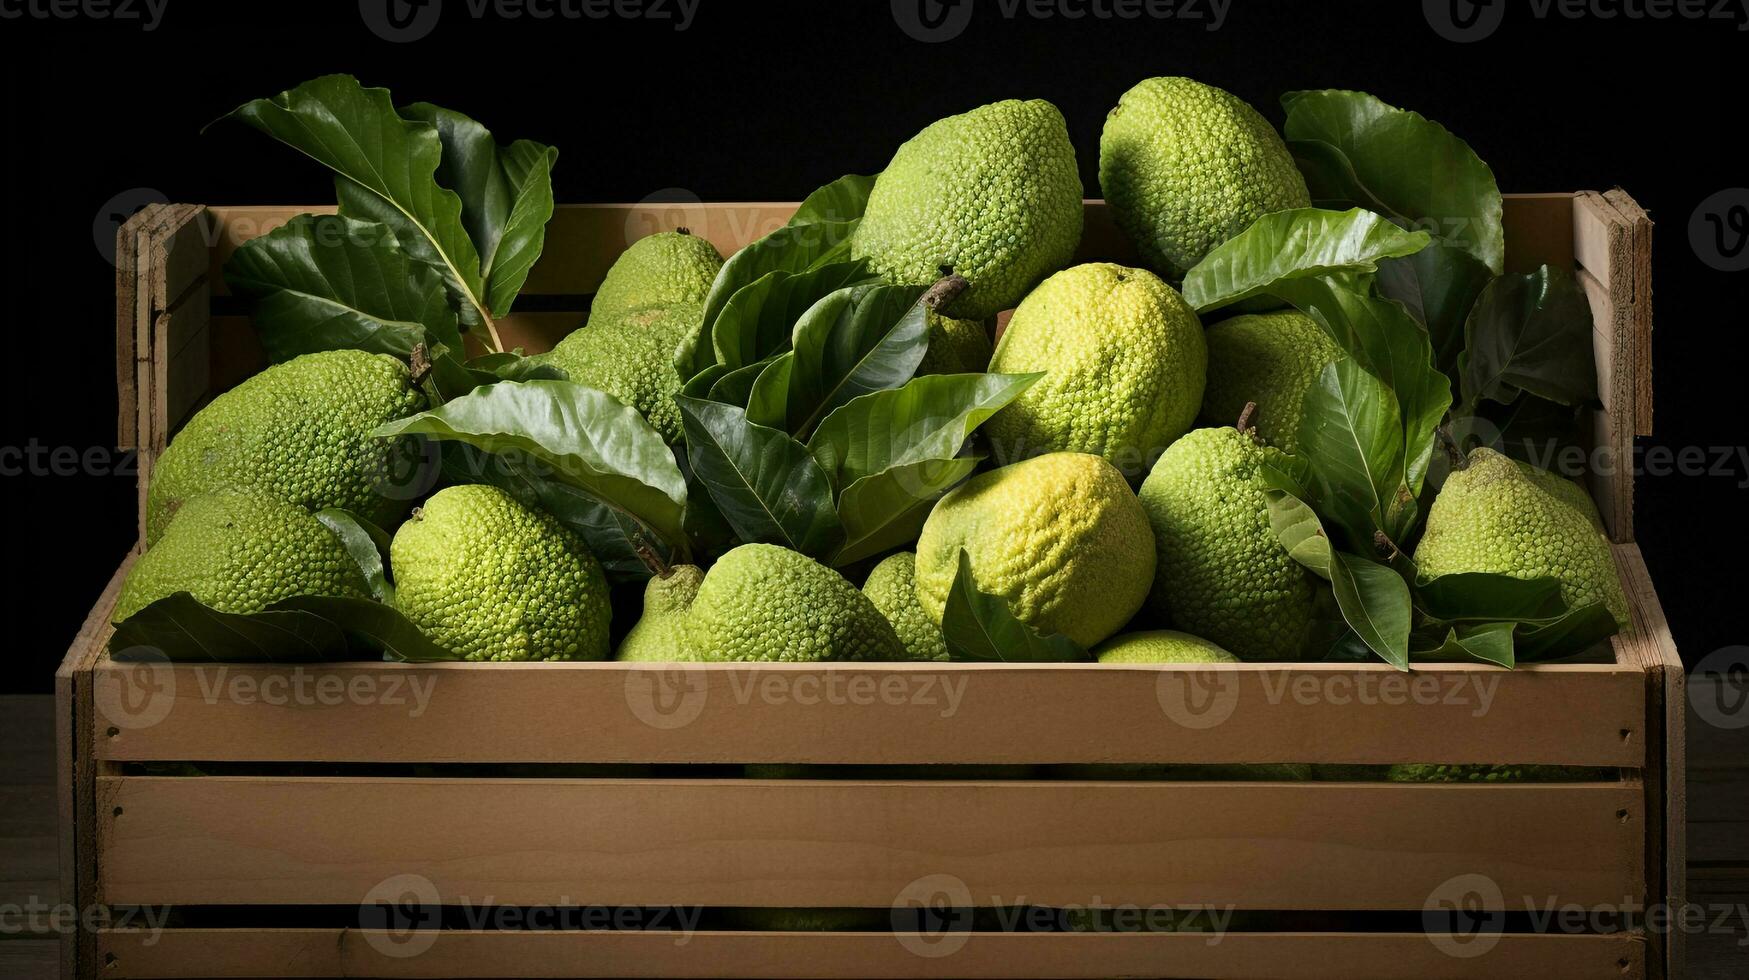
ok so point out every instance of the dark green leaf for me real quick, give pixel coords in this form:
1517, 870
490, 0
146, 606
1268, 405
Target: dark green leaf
1573, 633
1485, 597
587, 438
1352, 434
734, 387
506, 194
385, 170
181, 629
929, 418
1375, 602
842, 200
1438, 285
1355, 149
512, 366
1530, 333
1304, 243
886, 510
332, 283
758, 320
371, 626
980, 627
367, 544
768, 402
763, 481
855, 341
1489, 643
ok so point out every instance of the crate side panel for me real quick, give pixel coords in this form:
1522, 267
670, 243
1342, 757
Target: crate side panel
218, 840
888, 713
1286, 956
1539, 231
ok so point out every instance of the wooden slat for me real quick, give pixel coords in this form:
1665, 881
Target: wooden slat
1650, 645
1286, 956
1613, 249
76, 769
1641, 264
291, 840
182, 373
1578, 714
127, 390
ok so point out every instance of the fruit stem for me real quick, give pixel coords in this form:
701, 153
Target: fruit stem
946, 290
651, 560
683, 230
1247, 419
1452, 451
1383, 546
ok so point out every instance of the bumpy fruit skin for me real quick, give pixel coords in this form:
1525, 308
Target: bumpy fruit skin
892, 587
1223, 574
1124, 358
1061, 537
658, 636
993, 194
1567, 491
490, 579
1186, 166
1426, 772
632, 359
238, 553
298, 432
762, 602
955, 346
1161, 647
663, 269
1272, 359
1492, 517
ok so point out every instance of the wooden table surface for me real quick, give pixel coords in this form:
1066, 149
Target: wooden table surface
1718, 790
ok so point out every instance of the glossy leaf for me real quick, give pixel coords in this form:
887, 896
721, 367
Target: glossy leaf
1490, 643
887, 509
980, 627
1351, 432
181, 629
1298, 244
1530, 333
759, 319
1298, 529
367, 544
929, 418
768, 401
854, 341
1439, 286
764, 482
1356, 150
842, 200
1486, 597
1375, 602
587, 438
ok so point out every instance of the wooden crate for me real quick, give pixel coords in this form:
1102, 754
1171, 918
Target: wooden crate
330, 783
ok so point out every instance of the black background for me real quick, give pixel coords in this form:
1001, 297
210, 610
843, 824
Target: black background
765, 102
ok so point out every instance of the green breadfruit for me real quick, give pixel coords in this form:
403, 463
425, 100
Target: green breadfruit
808, 920
1124, 358
664, 269
955, 346
632, 359
658, 635
1186, 166
1271, 359
1223, 575
1161, 647
1493, 517
1569, 492
1427, 772
892, 587
299, 432
238, 553
488, 578
763, 602
993, 195
1060, 537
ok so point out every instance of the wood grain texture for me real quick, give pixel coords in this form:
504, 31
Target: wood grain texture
214, 840
1285, 956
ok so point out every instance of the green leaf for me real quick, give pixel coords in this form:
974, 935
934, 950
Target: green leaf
844, 199
1486, 597
1356, 150
385, 170
1375, 602
1530, 333
181, 629
584, 437
367, 544
1352, 434
1298, 529
513, 366
1438, 286
332, 283
887, 509
855, 341
929, 418
980, 627
1303, 243
734, 387
768, 402
1577, 631
763, 481
506, 194
757, 321
1490, 643
371, 625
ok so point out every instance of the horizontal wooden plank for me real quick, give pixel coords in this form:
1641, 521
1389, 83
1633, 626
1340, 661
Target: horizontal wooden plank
218, 840
1287, 956
1579, 714
30, 959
